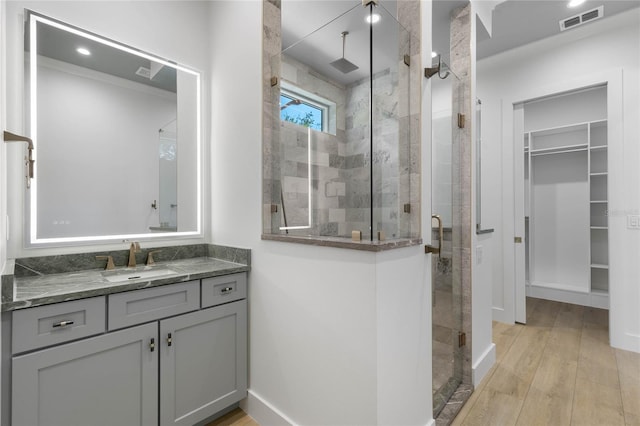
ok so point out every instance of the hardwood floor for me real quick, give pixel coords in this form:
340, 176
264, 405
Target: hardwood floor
557, 370
236, 417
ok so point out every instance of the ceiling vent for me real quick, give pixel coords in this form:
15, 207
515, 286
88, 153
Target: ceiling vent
144, 72
583, 18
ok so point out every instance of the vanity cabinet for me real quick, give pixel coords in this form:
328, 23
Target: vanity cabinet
164, 358
203, 358
102, 381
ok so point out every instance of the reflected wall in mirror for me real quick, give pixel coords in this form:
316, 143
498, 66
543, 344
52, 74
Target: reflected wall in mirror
117, 136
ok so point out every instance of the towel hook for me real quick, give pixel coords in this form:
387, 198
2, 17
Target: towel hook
29, 161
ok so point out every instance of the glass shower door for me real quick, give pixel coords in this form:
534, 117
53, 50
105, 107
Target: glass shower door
446, 292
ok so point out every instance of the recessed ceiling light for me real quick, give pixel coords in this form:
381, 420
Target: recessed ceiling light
372, 19
83, 51
434, 54
575, 3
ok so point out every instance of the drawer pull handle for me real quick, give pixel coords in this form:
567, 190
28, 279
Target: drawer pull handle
169, 340
62, 324
226, 290
152, 345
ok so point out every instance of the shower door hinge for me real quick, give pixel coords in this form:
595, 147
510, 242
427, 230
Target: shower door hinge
517, 240
274, 81
407, 60
461, 121
462, 339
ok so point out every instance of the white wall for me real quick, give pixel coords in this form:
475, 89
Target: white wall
483, 352
317, 352
3, 173
607, 45
160, 28
3, 169
69, 163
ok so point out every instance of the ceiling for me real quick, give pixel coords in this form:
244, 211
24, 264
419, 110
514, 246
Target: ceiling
311, 33
61, 45
515, 23
519, 22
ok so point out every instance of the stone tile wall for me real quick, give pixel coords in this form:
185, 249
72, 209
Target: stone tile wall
340, 169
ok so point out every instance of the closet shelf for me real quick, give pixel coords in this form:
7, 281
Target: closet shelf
598, 201
598, 148
559, 129
599, 174
559, 149
599, 227
599, 266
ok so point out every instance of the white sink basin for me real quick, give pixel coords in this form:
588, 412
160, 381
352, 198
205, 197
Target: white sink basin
121, 276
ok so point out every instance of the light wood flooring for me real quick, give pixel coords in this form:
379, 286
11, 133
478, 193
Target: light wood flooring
557, 370
236, 417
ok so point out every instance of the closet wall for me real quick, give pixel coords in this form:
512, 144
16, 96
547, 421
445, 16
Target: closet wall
566, 225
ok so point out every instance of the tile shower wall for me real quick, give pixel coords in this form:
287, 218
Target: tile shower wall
386, 176
318, 171
340, 164
339, 169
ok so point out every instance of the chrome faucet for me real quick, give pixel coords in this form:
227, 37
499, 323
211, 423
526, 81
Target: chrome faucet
133, 249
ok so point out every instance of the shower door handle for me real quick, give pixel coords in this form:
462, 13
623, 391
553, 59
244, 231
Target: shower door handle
431, 249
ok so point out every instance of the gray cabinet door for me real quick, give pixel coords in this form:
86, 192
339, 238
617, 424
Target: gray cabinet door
205, 368
107, 380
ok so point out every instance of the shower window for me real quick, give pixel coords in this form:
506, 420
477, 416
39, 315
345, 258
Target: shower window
296, 111
307, 109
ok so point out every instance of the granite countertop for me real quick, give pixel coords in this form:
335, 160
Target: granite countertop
43, 289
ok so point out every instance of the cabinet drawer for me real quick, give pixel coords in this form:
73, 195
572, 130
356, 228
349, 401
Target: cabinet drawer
52, 324
223, 289
137, 307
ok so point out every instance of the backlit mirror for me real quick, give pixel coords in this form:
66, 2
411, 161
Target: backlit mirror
117, 139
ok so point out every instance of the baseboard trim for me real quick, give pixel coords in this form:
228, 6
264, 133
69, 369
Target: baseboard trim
626, 341
480, 369
500, 315
264, 413
592, 299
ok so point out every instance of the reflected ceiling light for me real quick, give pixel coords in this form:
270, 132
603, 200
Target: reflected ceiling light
575, 3
434, 54
373, 18
83, 51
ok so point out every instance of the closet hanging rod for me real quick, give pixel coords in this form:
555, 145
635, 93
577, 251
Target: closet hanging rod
564, 151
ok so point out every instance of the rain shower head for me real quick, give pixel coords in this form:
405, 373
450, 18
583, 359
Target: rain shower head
342, 64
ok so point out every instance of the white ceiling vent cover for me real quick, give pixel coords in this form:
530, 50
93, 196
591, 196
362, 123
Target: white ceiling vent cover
144, 72
583, 18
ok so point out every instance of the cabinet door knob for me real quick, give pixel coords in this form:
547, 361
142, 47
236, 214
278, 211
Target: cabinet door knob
169, 339
152, 345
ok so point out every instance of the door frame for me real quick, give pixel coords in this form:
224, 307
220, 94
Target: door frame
514, 290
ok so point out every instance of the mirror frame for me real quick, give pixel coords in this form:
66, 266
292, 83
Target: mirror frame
31, 202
